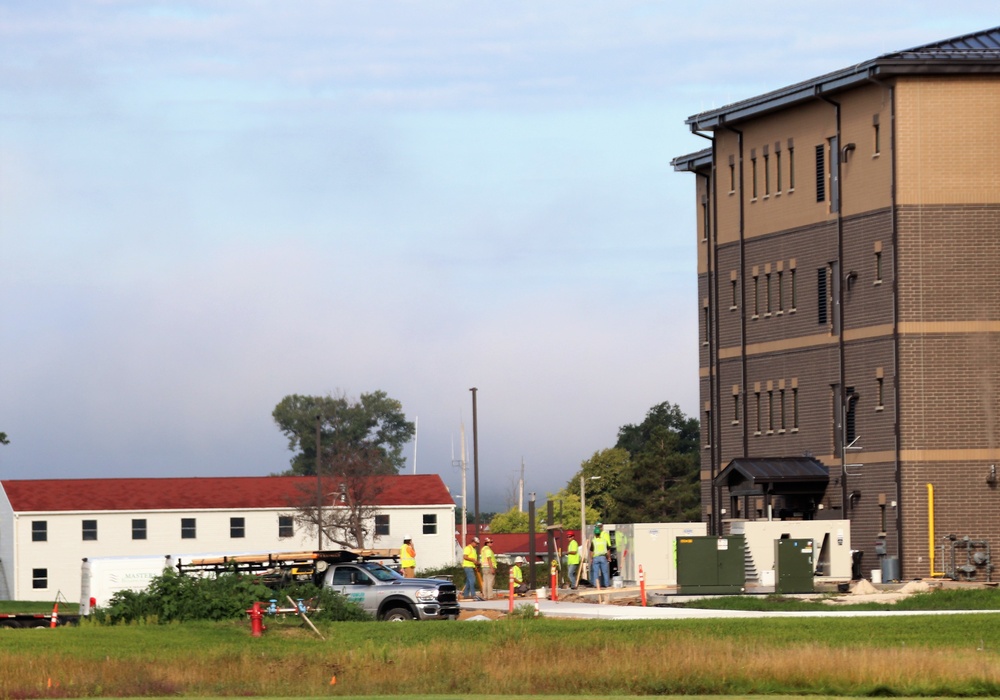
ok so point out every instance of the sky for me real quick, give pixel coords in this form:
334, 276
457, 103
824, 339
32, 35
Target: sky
206, 206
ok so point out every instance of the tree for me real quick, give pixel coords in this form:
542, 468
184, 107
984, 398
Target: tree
513, 521
602, 474
374, 425
661, 482
348, 446
3, 439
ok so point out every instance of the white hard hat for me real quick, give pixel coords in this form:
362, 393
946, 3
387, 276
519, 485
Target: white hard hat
407, 538
519, 560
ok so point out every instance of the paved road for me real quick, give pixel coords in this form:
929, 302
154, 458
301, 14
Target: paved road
550, 608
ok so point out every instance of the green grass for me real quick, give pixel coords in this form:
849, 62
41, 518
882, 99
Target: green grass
941, 599
17, 606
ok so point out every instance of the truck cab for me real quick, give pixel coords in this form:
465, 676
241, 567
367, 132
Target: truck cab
387, 595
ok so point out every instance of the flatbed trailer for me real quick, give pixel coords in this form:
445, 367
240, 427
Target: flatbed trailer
26, 620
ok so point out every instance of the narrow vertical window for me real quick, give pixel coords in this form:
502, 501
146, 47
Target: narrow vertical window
876, 136
878, 262
705, 321
770, 411
704, 219
822, 296
90, 530
851, 416
381, 525
732, 281
708, 426
795, 408
821, 173
138, 528
430, 524
767, 293
879, 389
286, 527
757, 411
781, 410
753, 176
791, 166
767, 175
792, 290
777, 169
237, 528
736, 406
732, 176
781, 292
756, 296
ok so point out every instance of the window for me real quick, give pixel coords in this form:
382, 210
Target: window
381, 525
732, 281
822, 297
792, 290
138, 528
770, 411
781, 293
757, 402
39, 531
707, 427
188, 528
781, 410
795, 409
430, 524
39, 578
777, 168
879, 389
705, 319
876, 136
756, 296
850, 417
89, 530
237, 528
791, 166
767, 293
878, 262
767, 175
732, 175
821, 173
285, 526
736, 405
753, 176
704, 219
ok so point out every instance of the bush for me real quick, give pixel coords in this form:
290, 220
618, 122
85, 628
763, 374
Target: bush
172, 597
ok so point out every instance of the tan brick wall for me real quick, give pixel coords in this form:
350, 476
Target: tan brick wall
948, 132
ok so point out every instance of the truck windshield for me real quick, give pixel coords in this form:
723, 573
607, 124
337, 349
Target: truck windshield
380, 572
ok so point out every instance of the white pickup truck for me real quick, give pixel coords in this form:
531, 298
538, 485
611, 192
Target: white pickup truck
388, 596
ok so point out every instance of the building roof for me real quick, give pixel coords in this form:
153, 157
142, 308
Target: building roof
203, 493
972, 53
774, 475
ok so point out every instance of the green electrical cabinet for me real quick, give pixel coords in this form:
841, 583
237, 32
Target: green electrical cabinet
793, 566
711, 564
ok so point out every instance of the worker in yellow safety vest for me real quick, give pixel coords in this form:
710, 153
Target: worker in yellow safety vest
488, 565
572, 558
517, 576
408, 558
470, 562
600, 573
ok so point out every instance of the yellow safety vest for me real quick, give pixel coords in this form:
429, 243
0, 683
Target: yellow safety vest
407, 557
472, 554
573, 553
487, 558
601, 545
515, 573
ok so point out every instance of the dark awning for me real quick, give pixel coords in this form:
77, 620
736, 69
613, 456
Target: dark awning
746, 476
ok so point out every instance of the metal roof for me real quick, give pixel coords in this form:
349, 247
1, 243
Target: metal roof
972, 53
771, 470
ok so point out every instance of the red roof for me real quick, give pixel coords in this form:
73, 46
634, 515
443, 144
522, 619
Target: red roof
516, 543
204, 493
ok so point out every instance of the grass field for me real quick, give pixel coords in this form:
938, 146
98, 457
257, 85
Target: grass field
933, 656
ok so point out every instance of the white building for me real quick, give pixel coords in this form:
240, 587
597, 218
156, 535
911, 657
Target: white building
48, 526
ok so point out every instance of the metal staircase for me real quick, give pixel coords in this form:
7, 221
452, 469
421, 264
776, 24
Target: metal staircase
749, 568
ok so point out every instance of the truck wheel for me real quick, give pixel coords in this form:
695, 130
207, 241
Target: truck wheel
397, 615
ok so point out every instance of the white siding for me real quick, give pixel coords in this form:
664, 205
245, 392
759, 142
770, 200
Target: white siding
62, 554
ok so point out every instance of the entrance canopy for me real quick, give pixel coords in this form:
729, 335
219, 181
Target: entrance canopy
774, 476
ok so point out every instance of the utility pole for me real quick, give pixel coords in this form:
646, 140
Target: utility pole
475, 458
520, 489
319, 488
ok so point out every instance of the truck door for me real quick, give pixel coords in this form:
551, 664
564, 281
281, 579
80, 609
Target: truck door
355, 585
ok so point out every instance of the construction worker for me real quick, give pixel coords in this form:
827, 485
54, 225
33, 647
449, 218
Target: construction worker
517, 576
621, 550
470, 562
572, 558
600, 574
488, 565
408, 558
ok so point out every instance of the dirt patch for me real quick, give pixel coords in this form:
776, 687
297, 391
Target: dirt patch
489, 614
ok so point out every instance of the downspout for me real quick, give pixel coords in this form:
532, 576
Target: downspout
840, 310
898, 479
711, 332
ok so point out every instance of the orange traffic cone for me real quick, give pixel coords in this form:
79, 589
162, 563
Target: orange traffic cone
55, 616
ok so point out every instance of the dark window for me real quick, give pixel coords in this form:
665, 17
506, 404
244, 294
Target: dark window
821, 173
781, 408
757, 408
753, 177
138, 528
795, 408
777, 170
705, 317
237, 528
39, 578
756, 296
732, 177
188, 528
791, 168
382, 525
791, 285
767, 293
767, 175
822, 297
733, 304
850, 417
781, 293
430, 524
878, 266
770, 411
89, 529
285, 526
708, 426
39, 530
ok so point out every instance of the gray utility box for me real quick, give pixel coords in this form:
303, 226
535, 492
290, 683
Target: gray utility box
793, 566
711, 564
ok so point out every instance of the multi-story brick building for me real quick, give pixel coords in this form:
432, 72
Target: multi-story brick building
849, 290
